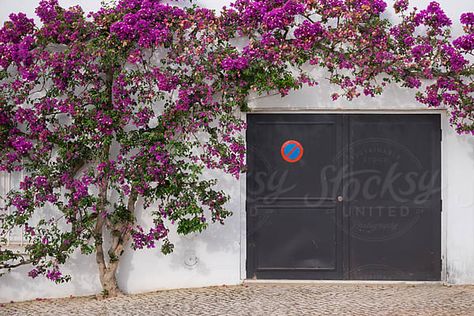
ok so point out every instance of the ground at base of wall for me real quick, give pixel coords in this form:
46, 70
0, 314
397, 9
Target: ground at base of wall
269, 299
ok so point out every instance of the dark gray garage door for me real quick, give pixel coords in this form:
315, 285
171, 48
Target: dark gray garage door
343, 197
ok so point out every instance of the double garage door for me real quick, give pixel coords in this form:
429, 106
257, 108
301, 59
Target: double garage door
337, 196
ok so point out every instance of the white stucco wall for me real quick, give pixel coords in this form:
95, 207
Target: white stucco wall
220, 251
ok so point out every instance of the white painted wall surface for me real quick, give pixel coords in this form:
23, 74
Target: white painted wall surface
220, 251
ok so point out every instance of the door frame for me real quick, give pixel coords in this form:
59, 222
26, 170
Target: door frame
444, 170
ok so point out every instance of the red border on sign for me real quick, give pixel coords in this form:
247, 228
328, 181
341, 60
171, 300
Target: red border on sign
298, 145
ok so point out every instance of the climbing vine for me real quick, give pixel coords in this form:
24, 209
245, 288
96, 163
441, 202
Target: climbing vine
126, 107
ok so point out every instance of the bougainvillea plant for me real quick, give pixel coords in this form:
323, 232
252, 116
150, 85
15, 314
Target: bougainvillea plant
124, 108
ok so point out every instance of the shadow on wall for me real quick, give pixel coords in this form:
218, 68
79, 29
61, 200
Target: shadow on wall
17, 286
459, 162
209, 258
470, 144
320, 98
467, 141
464, 162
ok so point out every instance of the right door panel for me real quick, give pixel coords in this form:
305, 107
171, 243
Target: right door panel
393, 198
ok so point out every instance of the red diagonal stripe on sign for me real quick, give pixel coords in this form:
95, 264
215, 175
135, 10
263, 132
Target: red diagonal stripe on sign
294, 148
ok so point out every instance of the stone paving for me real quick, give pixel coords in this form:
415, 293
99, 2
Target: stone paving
269, 299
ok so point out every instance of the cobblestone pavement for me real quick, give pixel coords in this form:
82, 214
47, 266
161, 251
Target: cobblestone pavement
269, 299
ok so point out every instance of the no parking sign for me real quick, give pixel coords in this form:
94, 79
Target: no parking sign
292, 151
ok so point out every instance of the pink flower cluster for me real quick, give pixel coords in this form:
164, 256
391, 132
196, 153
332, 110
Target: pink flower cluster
142, 240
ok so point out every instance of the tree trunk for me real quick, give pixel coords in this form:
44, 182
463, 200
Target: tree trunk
108, 270
108, 280
120, 235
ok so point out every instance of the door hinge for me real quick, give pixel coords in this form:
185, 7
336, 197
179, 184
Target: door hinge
441, 206
440, 135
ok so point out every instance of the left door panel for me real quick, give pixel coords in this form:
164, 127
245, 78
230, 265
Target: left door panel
293, 218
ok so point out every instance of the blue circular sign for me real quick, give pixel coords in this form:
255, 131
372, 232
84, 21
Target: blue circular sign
292, 151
